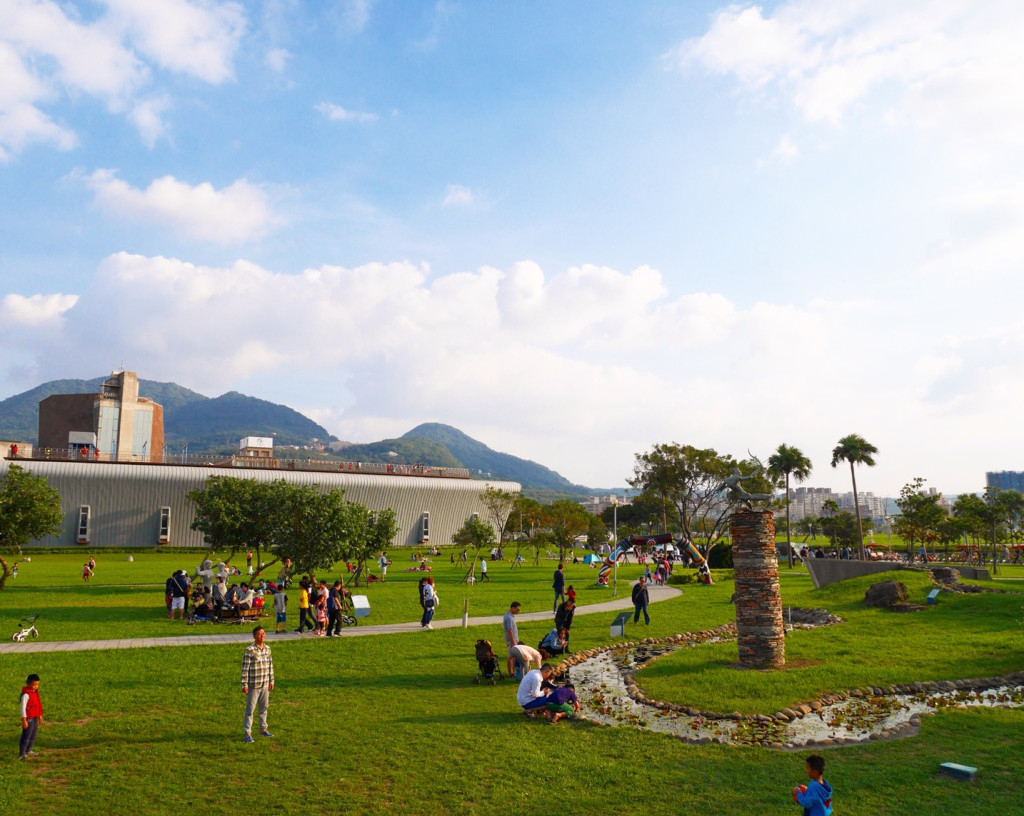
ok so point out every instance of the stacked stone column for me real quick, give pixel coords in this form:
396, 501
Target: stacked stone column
759, 624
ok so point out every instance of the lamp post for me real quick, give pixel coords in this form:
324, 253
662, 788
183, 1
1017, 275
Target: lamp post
615, 544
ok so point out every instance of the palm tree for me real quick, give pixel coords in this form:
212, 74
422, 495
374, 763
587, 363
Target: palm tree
789, 461
856, 450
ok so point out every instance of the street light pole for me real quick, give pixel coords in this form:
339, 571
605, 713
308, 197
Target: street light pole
615, 544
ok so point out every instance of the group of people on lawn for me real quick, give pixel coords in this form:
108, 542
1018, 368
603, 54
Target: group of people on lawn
536, 691
213, 595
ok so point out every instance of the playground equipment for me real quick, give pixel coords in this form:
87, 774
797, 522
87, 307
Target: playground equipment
651, 541
699, 561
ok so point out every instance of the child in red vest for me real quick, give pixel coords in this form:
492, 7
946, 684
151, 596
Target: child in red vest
31, 715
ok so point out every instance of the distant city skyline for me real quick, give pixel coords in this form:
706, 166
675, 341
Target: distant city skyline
570, 230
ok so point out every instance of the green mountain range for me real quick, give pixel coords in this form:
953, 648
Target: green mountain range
214, 425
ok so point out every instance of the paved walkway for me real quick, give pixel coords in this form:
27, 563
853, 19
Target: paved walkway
243, 634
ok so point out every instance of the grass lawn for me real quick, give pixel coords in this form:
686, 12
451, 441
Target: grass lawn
393, 724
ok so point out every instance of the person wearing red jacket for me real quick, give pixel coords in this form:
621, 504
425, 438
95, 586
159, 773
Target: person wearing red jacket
31, 715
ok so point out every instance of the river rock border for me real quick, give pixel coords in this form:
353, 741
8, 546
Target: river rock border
785, 715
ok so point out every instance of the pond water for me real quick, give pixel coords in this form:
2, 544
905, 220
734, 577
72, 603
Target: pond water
602, 687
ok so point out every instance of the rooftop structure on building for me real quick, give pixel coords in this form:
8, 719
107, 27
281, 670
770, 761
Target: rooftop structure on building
116, 424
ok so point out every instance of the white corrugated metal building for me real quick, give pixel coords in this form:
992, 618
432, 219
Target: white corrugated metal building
111, 504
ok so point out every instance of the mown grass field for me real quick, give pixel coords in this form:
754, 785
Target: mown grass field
393, 724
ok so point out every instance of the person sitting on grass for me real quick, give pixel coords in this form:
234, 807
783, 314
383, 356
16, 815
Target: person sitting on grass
562, 703
532, 694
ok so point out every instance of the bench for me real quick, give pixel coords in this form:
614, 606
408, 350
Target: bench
933, 596
619, 624
965, 772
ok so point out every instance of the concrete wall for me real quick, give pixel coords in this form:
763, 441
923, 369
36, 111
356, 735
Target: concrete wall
125, 499
825, 571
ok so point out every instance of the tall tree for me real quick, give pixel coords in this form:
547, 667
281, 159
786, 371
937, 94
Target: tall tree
566, 520
789, 462
499, 504
29, 509
856, 450
478, 535
688, 479
920, 515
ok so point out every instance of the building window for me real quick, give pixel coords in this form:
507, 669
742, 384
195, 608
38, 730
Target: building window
83, 524
425, 527
165, 525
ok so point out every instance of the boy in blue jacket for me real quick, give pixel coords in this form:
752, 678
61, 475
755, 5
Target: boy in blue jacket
816, 795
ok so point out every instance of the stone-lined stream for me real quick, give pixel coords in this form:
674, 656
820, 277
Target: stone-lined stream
608, 694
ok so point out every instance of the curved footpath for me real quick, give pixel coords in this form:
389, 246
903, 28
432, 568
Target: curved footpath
243, 634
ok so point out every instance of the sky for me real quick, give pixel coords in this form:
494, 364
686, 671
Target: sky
572, 230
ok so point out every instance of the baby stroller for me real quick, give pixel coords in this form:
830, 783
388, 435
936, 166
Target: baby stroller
487, 663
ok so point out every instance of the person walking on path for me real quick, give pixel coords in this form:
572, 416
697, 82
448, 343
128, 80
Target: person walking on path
429, 602
559, 586
483, 570
31, 716
305, 618
640, 601
334, 605
257, 682
511, 628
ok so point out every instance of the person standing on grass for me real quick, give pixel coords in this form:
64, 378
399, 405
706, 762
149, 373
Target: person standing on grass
816, 795
483, 570
31, 716
86, 572
382, 562
511, 628
559, 586
640, 601
429, 602
257, 682
179, 591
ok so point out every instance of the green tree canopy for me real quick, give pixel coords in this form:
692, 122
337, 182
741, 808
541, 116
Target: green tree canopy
312, 528
29, 509
688, 480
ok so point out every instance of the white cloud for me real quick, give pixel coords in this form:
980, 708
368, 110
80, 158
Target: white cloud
49, 53
147, 118
277, 59
544, 365
34, 311
236, 213
458, 196
336, 113
356, 13
195, 38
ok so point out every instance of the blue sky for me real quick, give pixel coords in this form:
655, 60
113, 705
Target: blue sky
571, 230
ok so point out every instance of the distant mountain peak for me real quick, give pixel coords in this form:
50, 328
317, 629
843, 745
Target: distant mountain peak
482, 460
